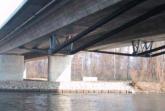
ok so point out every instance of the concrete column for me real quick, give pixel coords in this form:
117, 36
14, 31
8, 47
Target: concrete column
11, 67
59, 69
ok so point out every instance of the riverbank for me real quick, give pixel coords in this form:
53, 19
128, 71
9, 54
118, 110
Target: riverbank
67, 87
82, 87
149, 87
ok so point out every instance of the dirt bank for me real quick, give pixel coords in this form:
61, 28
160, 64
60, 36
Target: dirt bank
153, 87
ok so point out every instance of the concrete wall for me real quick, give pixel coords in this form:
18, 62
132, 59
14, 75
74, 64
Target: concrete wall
59, 68
11, 67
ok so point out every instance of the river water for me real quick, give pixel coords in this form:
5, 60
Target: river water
81, 102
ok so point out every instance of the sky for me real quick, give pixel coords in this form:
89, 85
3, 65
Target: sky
8, 8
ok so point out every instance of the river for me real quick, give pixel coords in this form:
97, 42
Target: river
81, 102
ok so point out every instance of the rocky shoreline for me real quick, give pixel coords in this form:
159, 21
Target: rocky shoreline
66, 87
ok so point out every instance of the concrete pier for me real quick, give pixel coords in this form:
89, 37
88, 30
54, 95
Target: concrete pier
59, 68
11, 67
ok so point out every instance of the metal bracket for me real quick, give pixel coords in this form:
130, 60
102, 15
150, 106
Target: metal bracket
53, 43
141, 46
69, 47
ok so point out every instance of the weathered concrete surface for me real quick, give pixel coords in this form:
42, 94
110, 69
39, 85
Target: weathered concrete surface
59, 68
11, 67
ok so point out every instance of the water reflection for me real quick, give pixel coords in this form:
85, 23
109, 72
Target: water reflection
78, 102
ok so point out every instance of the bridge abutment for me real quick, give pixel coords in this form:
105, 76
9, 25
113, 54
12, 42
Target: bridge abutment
59, 68
11, 67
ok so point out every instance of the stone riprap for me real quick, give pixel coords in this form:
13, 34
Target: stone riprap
67, 87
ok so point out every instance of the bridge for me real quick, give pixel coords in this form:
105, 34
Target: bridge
61, 28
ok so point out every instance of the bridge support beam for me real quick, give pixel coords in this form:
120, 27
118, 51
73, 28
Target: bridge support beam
59, 68
11, 67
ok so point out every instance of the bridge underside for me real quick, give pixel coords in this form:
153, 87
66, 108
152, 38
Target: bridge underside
65, 27
70, 18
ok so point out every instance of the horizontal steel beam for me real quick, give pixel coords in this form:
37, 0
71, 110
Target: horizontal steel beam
158, 54
113, 53
127, 54
152, 50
